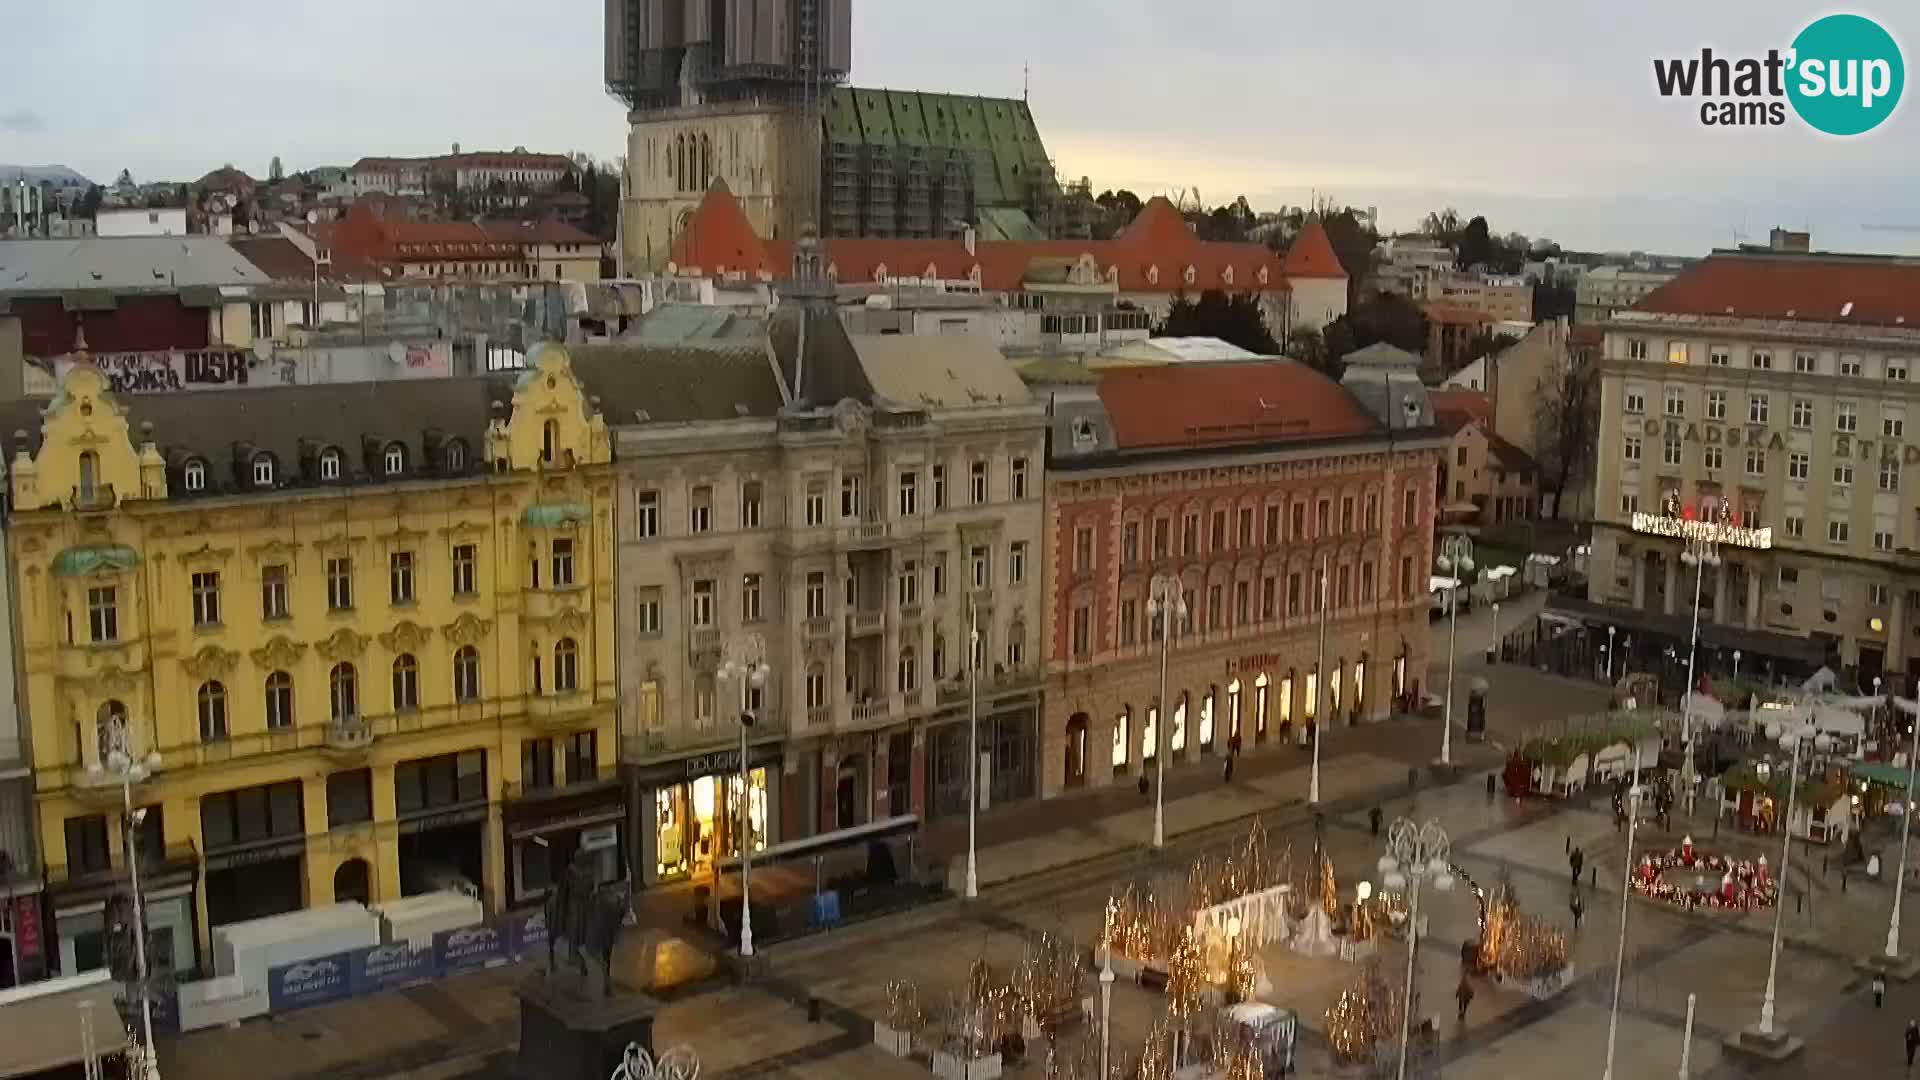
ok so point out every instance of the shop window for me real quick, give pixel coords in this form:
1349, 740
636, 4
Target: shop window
349, 798
447, 780
250, 815
1122, 723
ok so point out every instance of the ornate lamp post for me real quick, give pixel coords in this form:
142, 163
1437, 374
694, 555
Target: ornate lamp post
746, 664
1106, 1012
1702, 550
118, 761
1626, 893
1415, 852
973, 746
1166, 602
1792, 739
1456, 561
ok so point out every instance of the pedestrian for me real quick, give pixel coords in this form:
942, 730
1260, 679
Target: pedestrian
1464, 995
1577, 860
1577, 906
1879, 989
1144, 785
1913, 1041
1226, 771
1489, 787
1373, 821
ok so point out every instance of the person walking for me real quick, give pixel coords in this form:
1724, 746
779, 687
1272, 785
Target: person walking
1879, 989
1578, 907
1373, 820
1913, 1042
1577, 860
1464, 995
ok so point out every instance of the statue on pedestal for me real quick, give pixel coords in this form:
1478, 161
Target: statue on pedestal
588, 915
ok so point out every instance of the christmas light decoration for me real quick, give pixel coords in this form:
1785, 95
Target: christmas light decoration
1729, 884
1363, 1015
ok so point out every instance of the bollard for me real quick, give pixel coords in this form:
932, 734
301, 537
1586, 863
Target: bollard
813, 1010
1593, 878
1823, 866
1799, 901
1843, 881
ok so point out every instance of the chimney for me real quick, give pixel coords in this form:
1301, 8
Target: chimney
972, 238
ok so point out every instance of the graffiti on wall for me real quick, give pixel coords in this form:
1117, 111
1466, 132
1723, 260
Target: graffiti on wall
167, 371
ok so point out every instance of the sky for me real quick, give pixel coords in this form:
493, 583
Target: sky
1541, 116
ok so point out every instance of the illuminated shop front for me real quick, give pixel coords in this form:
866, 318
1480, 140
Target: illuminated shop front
689, 811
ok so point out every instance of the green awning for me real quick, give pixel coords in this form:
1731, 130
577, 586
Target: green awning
76, 561
1879, 773
555, 515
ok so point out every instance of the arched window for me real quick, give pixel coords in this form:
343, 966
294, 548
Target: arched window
466, 674
706, 162
1121, 723
909, 670
1177, 734
566, 666
456, 456
549, 441
343, 693
279, 701
1150, 736
89, 473
1233, 710
213, 712
263, 470
1206, 720
1260, 685
1075, 772
406, 683
111, 716
396, 459
194, 476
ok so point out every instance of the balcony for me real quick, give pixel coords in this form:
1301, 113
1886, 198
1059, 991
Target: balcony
703, 641
94, 498
819, 716
350, 735
678, 740
1002, 682
870, 712
818, 627
556, 710
910, 612
866, 535
861, 623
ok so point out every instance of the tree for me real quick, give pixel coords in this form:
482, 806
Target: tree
1475, 245
1235, 319
1487, 343
1310, 348
1566, 425
89, 203
1378, 317
1443, 225
1354, 241
275, 172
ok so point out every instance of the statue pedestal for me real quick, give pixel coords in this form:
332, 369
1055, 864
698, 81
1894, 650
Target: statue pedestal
567, 1033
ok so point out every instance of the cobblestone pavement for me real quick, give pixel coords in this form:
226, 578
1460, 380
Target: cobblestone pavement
760, 1027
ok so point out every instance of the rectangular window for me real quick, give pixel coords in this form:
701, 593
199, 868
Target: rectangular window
939, 487
1676, 352
1273, 525
1806, 363
1629, 504
1406, 576
1719, 356
1882, 540
1346, 514
1130, 543
647, 613
536, 763
1670, 451
816, 502
1756, 463
750, 611
1761, 360
752, 494
562, 562
909, 500
1716, 404
646, 515
1889, 475
1878, 593
850, 497
1676, 401
1246, 527
1630, 448
1372, 523
1893, 421
702, 605
1242, 600
940, 574
1896, 370
1759, 409
1850, 366
1798, 466
981, 559
87, 850
1636, 348
273, 591
1082, 550
1082, 631
1366, 583
700, 510
1846, 416
1216, 607
1843, 474
816, 595
1129, 621
1190, 535
349, 798
1019, 478
206, 598
1293, 596
1636, 400
1803, 413
1160, 529
1269, 597
340, 584
1300, 517
1796, 526
1017, 559
466, 560
1837, 532
400, 577
1711, 458
1217, 535
977, 483
1323, 518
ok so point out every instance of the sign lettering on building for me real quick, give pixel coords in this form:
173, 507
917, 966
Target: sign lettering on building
169, 371
1711, 531
1257, 662
1850, 447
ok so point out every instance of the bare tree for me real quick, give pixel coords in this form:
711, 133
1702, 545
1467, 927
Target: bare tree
1566, 427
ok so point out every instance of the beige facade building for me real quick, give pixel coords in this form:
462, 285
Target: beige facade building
1503, 299
850, 506
1781, 384
1605, 291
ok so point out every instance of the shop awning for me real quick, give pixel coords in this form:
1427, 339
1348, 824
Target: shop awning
1788, 647
1879, 772
76, 561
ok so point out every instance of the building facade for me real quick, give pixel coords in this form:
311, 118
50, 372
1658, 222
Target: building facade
852, 514
1782, 385
1260, 487
1501, 299
1605, 291
365, 630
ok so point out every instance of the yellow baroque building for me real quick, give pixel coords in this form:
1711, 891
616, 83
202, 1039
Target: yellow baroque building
357, 639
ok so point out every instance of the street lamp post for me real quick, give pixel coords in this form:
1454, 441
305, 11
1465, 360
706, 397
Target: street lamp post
1456, 561
1793, 739
1319, 688
973, 746
119, 762
1106, 1012
1414, 852
746, 664
1611, 630
1165, 602
1626, 886
1736, 665
1906, 820
1493, 636
1702, 551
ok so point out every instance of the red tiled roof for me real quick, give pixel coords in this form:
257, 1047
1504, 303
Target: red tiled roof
1586, 336
1152, 255
364, 233
1195, 405
1455, 409
1312, 256
1861, 289
281, 260
1454, 313
1510, 456
545, 231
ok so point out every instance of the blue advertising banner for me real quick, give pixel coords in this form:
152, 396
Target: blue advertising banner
467, 948
386, 967
309, 982
527, 935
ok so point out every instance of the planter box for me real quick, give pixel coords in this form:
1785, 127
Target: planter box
950, 1066
1542, 989
897, 1043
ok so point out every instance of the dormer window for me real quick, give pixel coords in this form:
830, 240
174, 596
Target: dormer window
262, 470
1226, 276
880, 274
1262, 275
330, 465
456, 456
1153, 275
1082, 432
1192, 275
396, 459
194, 476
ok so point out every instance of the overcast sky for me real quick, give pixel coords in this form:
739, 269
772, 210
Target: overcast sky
1540, 115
